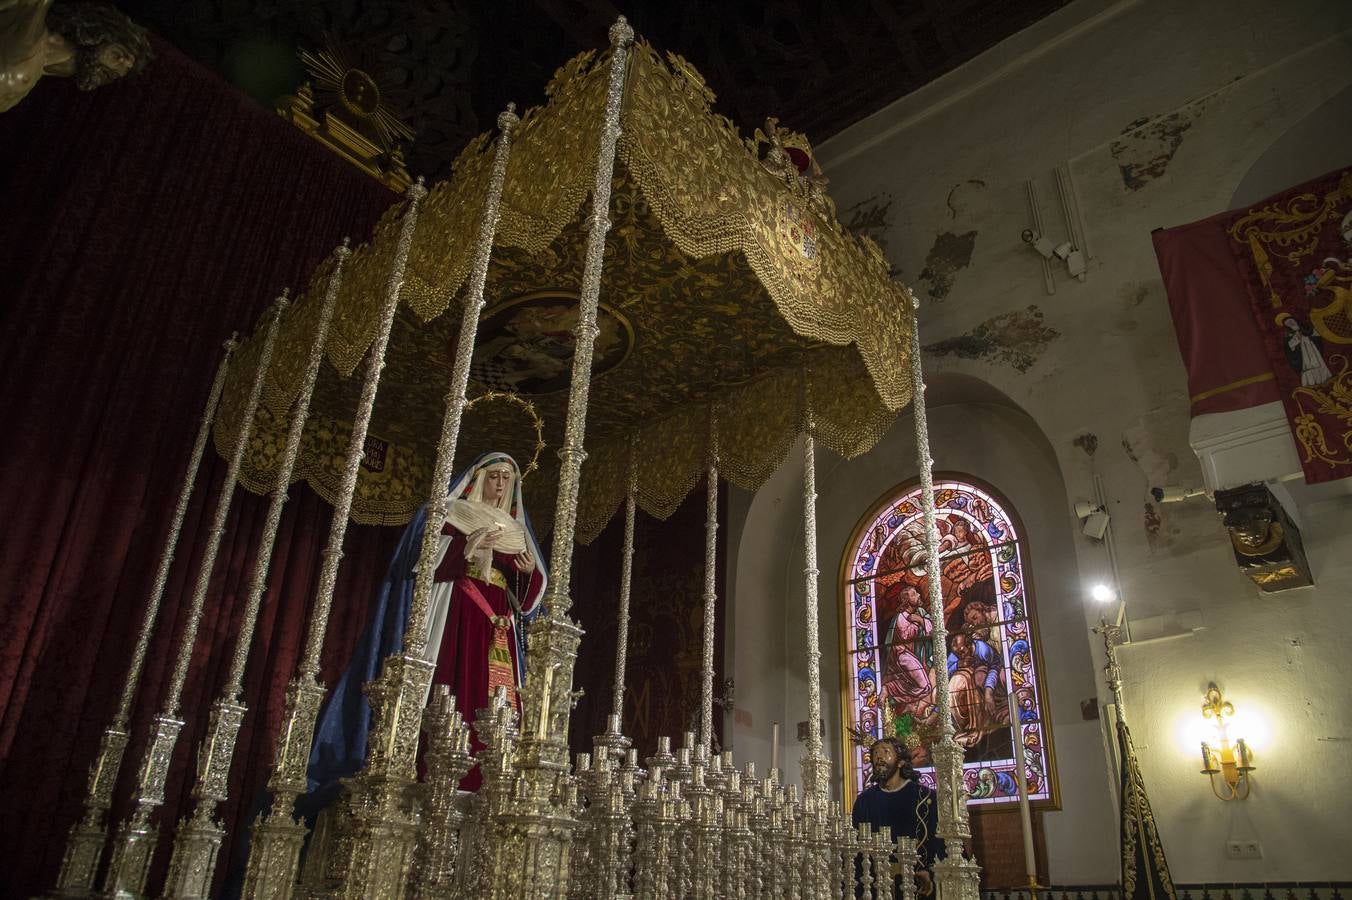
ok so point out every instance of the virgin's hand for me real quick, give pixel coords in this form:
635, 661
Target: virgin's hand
525, 561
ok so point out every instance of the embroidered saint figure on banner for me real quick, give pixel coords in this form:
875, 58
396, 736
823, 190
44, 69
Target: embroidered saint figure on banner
1304, 351
1295, 254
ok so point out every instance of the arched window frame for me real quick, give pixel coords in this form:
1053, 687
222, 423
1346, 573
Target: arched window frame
987, 781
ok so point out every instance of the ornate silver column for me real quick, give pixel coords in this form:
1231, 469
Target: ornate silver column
376, 820
193, 864
613, 741
275, 848
956, 878
533, 842
602, 845
497, 727
703, 835
706, 697
815, 765
657, 816
136, 838
84, 846
435, 869
415, 636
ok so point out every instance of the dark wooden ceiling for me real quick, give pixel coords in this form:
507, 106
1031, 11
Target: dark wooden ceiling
449, 67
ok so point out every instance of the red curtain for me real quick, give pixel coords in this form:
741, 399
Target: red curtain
142, 223
1217, 337
666, 633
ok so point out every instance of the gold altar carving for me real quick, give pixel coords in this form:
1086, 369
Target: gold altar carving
727, 271
342, 107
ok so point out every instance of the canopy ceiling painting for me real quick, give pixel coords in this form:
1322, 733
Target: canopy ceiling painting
730, 295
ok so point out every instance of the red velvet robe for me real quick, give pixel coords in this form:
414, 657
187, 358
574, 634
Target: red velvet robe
462, 658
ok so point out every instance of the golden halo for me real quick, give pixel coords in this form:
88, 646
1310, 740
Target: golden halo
529, 409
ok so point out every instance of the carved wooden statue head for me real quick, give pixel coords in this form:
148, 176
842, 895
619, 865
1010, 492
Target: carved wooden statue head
107, 44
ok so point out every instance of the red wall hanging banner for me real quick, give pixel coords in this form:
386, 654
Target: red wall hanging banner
1294, 252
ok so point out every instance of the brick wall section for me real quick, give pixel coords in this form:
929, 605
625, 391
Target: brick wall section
997, 839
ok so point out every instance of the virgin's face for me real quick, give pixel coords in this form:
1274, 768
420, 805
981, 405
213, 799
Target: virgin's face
496, 483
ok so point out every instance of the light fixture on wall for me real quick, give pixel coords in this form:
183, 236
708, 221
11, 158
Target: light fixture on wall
1094, 517
1065, 251
1233, 761
1102, 593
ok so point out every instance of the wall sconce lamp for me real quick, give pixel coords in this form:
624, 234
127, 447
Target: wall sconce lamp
1233, 761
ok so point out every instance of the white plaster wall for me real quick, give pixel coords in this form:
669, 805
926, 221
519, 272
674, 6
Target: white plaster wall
1284, 663
1002, 446
1240, 74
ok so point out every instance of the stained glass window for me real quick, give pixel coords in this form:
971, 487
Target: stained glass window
991, 653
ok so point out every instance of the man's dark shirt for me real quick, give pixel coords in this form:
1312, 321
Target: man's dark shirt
911, 811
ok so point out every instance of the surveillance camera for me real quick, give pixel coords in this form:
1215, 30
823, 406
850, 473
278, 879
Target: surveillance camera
1096, 525
1039, 243
1063, 250
1083, 508
1173, 493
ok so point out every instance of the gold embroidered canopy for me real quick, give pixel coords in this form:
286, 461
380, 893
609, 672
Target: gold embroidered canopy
730, 292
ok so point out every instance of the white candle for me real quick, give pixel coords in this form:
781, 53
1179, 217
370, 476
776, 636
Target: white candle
1025, 810
542, 727
774, 747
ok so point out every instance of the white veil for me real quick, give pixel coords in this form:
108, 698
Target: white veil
467, 512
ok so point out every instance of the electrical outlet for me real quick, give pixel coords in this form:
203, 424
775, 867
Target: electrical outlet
1243, 850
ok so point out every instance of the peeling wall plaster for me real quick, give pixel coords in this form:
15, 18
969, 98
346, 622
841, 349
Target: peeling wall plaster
1148, 145
870, 217
1015, 338
949, 253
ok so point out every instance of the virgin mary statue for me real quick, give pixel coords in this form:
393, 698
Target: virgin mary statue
488, 583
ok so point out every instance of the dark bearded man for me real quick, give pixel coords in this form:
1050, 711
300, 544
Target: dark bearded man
92, 42
899, 802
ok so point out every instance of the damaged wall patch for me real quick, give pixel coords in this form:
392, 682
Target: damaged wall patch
1148, 145
1017, 338
950, 253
